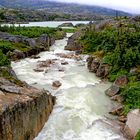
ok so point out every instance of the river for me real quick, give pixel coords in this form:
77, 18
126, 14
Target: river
81, 110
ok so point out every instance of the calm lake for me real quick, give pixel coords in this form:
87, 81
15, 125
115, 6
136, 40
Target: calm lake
48, 23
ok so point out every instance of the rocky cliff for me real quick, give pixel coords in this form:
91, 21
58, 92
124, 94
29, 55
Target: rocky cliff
23, 110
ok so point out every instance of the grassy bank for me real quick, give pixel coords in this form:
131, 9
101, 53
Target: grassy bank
117, 44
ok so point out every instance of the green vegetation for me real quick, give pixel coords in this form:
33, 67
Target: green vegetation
138, 136
31, 32
118, 45
3, 59
7, 47
69, 30
131, 94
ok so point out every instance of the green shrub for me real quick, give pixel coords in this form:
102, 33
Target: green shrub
5, 46
131, 94
137, 136
116, 72
3, 59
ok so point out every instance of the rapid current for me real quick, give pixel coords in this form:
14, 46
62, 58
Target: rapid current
81, 109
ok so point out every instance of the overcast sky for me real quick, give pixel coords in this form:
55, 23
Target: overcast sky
132, 6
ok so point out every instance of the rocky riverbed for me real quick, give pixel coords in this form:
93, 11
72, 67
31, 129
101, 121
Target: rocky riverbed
81, 109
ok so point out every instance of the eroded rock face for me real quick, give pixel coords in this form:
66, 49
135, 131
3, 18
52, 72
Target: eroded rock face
22, 115
117, 110
102, 70
133, 123
93, 64
73, 44
17, 54
44, 40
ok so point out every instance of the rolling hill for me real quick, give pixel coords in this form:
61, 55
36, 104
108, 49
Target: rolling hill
53, 6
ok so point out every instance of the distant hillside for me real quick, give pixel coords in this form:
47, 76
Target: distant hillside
59, 7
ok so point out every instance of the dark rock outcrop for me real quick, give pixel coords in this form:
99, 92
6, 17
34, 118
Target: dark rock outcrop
73, 44
17, 54
22, 115
95, 65
45, 41
121, 81
117, 110
112, 91
102, 70
115, 88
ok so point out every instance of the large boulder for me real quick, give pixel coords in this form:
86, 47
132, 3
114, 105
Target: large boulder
121, 81
112, 91
73, 42
133, 123
102, 70
117, 110
93, 64
29, 42
115, 88
17, 54
44, 40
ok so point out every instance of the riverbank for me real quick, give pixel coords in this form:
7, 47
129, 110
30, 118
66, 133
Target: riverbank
23, 109
114, 57
81, 109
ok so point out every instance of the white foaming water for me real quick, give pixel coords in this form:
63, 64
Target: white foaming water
81, 110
